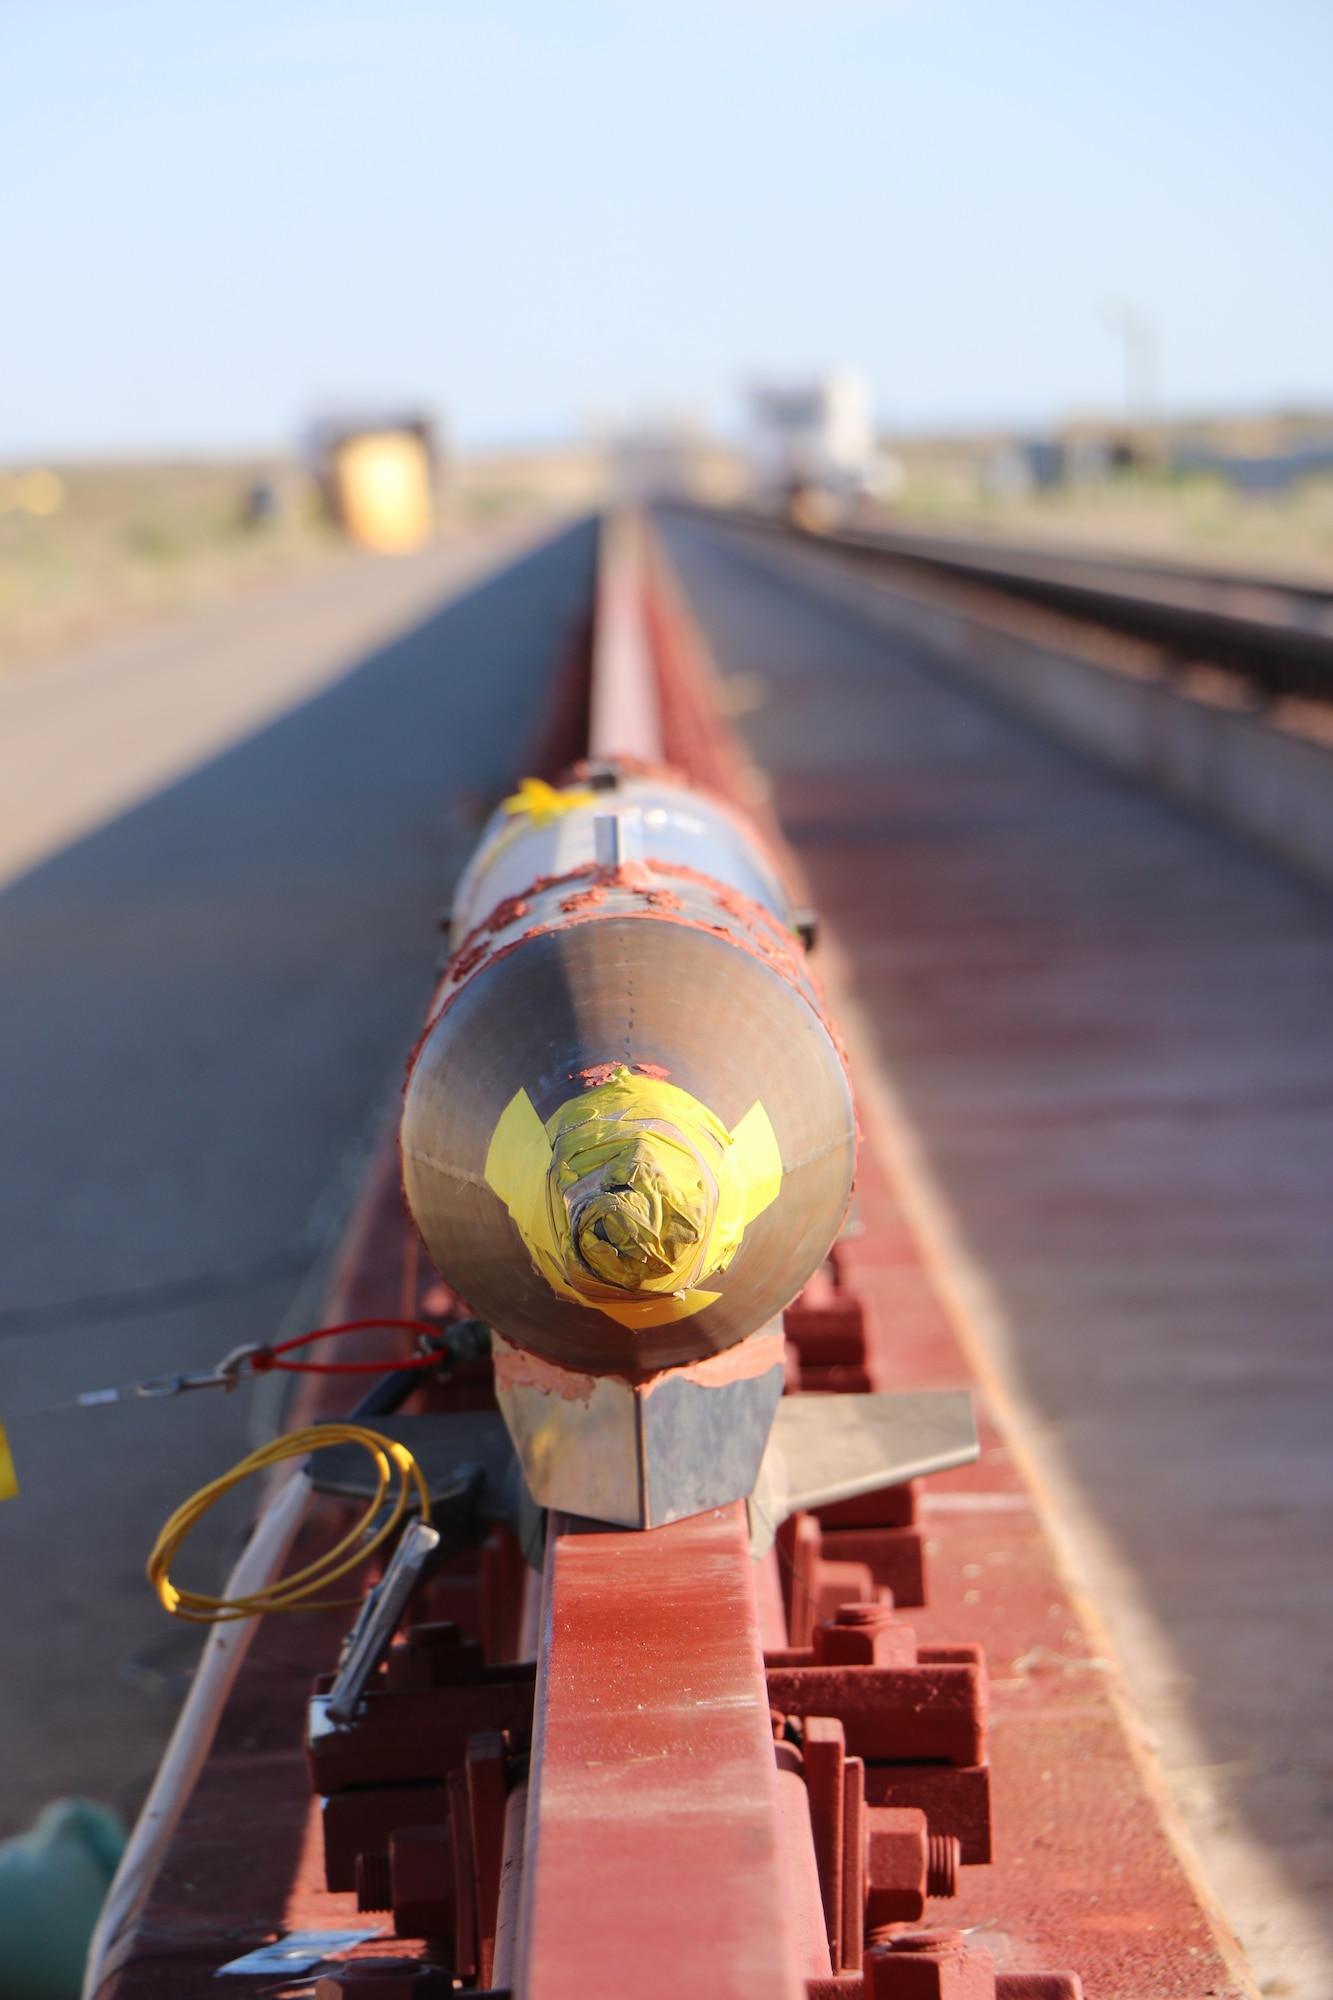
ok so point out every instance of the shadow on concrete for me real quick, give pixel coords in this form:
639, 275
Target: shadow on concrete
202, 1008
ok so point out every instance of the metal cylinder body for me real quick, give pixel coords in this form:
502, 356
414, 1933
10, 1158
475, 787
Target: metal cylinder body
612, 946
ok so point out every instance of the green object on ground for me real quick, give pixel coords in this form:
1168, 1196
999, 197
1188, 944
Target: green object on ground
53, 1882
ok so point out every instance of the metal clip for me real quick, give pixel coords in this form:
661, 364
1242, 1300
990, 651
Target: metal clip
368, 1641
226, 1376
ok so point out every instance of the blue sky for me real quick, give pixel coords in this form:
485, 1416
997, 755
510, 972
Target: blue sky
214, 218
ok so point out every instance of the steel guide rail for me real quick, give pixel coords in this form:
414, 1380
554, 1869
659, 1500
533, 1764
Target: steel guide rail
1275, 635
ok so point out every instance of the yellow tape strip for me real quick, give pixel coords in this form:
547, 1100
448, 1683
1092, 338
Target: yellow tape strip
632, 1193
9, 1479
541, 803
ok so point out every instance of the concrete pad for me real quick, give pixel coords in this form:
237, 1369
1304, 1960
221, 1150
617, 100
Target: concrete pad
82, 738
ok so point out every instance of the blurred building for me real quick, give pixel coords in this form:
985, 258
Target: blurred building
377, 476
813, 446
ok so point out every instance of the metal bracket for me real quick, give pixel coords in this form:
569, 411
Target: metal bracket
827, 1448
371, 1635
640, 1454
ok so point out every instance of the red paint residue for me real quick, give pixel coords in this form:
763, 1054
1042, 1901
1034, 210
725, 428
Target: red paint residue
468, 961
598, 1073
583, 899
520, 1368
786, 965
631, 876
745, 924
738, 1363
507, 912
510, 909
732, 900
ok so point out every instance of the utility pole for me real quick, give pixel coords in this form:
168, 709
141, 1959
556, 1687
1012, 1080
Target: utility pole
1139, 335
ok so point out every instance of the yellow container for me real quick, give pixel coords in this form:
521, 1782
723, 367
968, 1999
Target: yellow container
382, 481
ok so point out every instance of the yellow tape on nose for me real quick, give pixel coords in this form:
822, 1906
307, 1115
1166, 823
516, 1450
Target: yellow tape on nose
633, 1193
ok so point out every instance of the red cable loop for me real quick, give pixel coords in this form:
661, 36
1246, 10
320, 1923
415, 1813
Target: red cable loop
266, 1358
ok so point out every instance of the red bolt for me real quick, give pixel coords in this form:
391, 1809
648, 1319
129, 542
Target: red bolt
421, 1869
944, 1856
896, 1865
373, 1882
927, 1965
905, 1863
864, 1634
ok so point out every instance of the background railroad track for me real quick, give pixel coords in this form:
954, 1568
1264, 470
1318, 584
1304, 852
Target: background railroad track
1277, 636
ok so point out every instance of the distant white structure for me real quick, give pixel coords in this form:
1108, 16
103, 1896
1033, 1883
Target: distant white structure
815, 438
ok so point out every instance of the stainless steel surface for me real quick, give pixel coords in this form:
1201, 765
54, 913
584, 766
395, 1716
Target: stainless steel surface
639, 1454
697, 1004
827, 1448
677, 824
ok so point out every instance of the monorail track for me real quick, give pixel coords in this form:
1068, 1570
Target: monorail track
634, 1844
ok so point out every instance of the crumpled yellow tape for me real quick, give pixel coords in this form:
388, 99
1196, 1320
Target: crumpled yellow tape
541, 803
535, 803
632, 1193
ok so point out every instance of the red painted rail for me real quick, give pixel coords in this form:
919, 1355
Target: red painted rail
654, 1852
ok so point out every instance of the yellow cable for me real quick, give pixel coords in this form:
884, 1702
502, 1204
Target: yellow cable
295, 1592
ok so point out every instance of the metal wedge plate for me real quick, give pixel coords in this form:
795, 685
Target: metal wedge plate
827, 1448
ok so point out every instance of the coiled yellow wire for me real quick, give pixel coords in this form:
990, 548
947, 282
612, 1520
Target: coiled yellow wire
296, 1592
